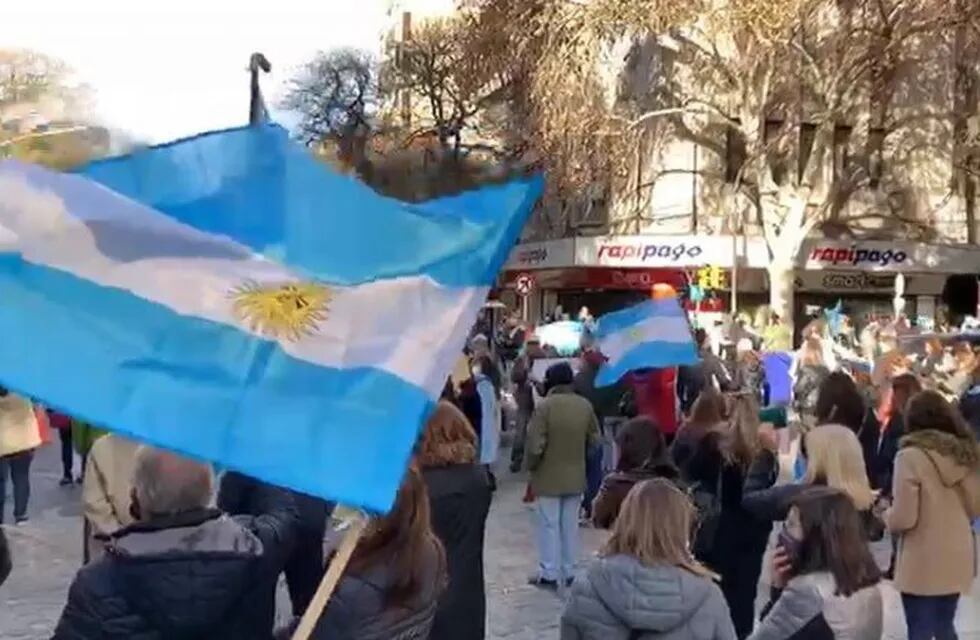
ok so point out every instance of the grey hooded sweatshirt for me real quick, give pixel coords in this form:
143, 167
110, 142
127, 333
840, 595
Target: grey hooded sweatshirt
621, 599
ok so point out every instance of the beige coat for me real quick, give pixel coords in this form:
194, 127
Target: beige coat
107, 486
936, 496
18, 425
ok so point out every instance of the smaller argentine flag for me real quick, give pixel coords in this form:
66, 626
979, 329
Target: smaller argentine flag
652, 335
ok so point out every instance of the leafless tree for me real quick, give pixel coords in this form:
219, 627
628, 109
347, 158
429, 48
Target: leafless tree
799, 104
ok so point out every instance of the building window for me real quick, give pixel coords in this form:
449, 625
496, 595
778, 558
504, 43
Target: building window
734, 154
876, 143
776, 157
808, 134
842, 156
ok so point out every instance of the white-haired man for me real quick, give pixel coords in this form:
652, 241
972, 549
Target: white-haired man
183, 569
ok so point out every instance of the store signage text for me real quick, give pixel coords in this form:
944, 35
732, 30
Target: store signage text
856, 256
535, 255
641, 279
834, 281
644, 252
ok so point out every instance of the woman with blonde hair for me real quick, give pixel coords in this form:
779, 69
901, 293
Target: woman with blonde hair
810, 368
730, 539
459, 494
646, 584
834, 459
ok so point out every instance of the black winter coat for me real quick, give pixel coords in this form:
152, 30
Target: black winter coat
884, 447
469, 404
239, 494
741, 538
199, 575
868, 435
460, 498
242, 495
693, 379
358, 609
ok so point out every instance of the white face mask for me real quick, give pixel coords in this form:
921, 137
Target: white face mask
476, 372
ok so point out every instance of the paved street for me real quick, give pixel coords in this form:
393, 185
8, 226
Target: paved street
47, 551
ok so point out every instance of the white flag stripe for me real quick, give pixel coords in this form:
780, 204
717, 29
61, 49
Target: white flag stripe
662, 329
400, 325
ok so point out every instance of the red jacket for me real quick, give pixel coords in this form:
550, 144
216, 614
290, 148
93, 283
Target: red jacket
656, 397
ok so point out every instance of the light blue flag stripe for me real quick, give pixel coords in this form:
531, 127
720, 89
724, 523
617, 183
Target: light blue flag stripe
651, 335
204, 388
258, 188
126, 316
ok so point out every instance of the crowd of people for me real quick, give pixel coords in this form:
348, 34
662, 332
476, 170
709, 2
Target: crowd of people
692, 500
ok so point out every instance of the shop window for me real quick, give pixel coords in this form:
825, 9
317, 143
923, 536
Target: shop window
842, 140
777, 156
876, 144
808, 134
960, 295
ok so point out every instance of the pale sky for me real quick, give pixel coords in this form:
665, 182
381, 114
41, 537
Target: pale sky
172, 68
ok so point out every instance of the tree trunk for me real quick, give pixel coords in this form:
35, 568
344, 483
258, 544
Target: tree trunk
782, 290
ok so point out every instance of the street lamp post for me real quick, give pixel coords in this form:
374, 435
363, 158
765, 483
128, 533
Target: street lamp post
257, 113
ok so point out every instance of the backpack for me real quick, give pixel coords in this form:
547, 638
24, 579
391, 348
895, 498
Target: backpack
708, 520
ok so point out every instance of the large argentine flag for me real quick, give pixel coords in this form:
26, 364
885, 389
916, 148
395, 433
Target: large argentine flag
651, 335
242, 304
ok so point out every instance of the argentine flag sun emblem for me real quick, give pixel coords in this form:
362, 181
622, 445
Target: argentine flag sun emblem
282, 311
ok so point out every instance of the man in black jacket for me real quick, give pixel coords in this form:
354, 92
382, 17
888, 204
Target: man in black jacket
183, 570
241, 495
709, 372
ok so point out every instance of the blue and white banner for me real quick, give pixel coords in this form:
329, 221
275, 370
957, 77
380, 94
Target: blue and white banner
229, 297
651, 335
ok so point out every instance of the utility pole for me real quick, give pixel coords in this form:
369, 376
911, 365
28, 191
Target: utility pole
257, 113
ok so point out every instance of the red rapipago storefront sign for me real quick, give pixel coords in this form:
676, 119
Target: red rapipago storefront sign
676, 253
654, 251
858, 256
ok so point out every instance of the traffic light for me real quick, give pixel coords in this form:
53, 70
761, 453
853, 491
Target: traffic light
711, 277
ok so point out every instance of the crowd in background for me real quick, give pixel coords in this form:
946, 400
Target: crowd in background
697, 483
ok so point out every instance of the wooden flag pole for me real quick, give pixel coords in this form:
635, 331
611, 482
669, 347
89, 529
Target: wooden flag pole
331, 577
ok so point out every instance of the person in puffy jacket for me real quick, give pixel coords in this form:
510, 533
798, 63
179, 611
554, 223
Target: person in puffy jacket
645, 583
183, 570
392, 585
826, 583
936, 491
